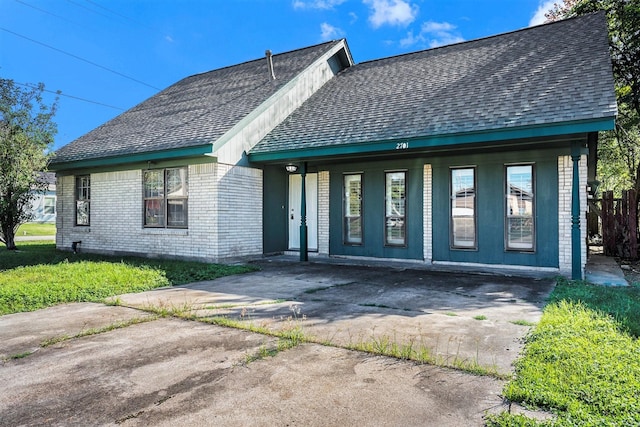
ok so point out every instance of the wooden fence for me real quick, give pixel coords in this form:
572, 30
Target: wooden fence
620, 224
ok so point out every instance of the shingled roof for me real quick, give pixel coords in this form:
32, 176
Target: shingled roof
549, 74
193, 112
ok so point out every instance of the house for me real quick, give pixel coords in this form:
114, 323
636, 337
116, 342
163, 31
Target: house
43, 206
469, 154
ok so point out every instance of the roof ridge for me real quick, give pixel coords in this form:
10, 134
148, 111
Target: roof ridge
561, 21
330, 42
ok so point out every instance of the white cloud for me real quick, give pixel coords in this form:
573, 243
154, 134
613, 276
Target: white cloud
433, 34
410, 40
329, 32
543, 7
316, 4
437, 27
391, 12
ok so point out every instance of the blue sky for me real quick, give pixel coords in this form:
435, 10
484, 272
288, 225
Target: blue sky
114, 54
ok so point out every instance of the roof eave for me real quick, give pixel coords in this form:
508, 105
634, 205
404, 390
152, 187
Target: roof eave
176, 153
438, 141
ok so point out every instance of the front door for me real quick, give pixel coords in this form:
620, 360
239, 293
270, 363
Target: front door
295, 198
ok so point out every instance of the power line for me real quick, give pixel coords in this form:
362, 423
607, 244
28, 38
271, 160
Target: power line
79, 58
70, 96
47, 12
89, 9
121, 15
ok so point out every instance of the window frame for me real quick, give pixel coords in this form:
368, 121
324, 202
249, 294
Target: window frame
164, 199
84, 198
52, 206
506, 195
404, 217
452, 240
345, 217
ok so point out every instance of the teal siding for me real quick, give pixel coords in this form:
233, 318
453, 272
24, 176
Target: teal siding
373, 177
490, 199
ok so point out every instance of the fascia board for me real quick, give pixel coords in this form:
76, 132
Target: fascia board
439, 141
194, 151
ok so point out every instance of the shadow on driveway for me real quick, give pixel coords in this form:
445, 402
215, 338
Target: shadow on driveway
458, 317
168, 371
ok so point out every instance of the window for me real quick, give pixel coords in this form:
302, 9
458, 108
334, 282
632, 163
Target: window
49, 207
83, 199
520, 225
165, 198
395, 207
353, 209
463, 208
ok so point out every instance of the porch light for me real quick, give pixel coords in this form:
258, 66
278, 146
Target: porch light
291, 168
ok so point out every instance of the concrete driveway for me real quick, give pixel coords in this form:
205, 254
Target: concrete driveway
133, 368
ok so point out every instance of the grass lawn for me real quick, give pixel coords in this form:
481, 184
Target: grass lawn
36, 229
582, 361
37, 276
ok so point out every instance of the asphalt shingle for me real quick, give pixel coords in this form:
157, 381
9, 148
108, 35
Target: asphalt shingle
194, 111
558, 72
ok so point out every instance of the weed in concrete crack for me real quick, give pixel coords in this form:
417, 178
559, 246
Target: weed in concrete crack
128, 417
184, 311
523, 323
231, 305
450, 313
162, 400
19, 355
245, 313
480, 317
386, 345
95, 331
113, 301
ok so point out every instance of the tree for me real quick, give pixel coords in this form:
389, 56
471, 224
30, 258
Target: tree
26, 138
619, 150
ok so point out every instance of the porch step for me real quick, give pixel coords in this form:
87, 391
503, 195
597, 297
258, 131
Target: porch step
603, 270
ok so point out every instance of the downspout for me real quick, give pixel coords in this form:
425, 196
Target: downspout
304, 250
576, 241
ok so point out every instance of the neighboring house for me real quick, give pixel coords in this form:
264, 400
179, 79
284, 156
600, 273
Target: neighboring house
44, 205
468, 154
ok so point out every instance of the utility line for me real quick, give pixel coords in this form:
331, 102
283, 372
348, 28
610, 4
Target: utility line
79, 58
60, 93
121, 15
47, 12
89, 9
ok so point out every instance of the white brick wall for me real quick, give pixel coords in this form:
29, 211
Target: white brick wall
565, 184
428, 213
323, 212
239, 212
225, 215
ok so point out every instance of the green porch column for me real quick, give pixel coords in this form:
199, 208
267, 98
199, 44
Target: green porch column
304, 250
576, 241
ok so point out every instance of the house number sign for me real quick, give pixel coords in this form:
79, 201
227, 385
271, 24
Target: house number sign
402, 145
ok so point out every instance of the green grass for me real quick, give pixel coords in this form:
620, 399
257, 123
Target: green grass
622, 303
38, 276
480, 317
582, 361
36, 229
